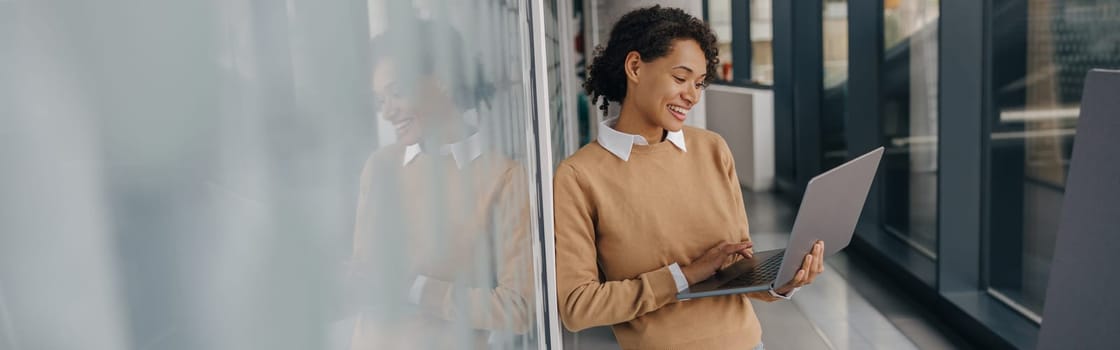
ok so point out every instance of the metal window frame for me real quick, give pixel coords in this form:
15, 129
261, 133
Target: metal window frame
957, 291
798, 76
532, 22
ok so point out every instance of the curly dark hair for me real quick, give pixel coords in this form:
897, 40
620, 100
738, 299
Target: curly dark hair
649, 31
409, 43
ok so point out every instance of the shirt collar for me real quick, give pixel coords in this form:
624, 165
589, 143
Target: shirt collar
464, 152
410, 153
620, 144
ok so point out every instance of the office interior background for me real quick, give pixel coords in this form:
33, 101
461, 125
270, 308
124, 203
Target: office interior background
185, 174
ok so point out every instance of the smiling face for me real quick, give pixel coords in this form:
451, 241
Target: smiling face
417, 107
665, 89
392, 104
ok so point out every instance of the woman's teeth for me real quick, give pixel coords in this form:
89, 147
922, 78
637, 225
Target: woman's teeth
403, 125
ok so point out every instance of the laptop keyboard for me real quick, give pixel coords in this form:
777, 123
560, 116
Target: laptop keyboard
764, 272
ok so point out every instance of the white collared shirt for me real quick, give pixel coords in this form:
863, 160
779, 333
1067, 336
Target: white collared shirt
620, 144
464, 152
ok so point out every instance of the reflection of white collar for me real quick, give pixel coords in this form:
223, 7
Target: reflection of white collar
463, 151
620, 143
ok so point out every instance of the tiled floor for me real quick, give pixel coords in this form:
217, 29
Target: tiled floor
833, 313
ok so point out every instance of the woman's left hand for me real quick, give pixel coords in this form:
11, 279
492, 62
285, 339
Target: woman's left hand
811, 266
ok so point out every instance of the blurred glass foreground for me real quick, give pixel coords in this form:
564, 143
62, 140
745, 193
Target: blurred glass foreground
243, 174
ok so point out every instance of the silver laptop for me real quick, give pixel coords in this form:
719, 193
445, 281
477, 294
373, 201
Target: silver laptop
829, 212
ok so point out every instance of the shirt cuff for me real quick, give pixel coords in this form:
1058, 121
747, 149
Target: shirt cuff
783, 297
417, 289
678, 277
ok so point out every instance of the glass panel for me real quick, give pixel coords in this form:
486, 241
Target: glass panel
762, 38
909, 87
246, 174
834, 92
719, 18
1043, 49
582, 50
557, 88
835, 41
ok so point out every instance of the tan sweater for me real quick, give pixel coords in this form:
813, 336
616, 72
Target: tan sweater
620, 224
464, 229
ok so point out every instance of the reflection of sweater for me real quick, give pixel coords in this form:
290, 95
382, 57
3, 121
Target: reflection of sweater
464, 229
619, 224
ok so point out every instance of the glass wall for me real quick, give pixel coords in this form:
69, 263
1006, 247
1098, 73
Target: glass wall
909, 121
1012, 77
560, 75
719, 18
834, 27
743, 29
762, 42
1041, 51
267, 175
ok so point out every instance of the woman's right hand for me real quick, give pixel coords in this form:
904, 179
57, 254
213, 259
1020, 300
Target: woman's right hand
705, 266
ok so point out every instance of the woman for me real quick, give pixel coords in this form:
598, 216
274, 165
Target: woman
441, 238
652, 206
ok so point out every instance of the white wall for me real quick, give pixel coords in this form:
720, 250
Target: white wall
745, 119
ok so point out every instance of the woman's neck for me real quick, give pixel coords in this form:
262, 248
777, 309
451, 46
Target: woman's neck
447, 125
630, 121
